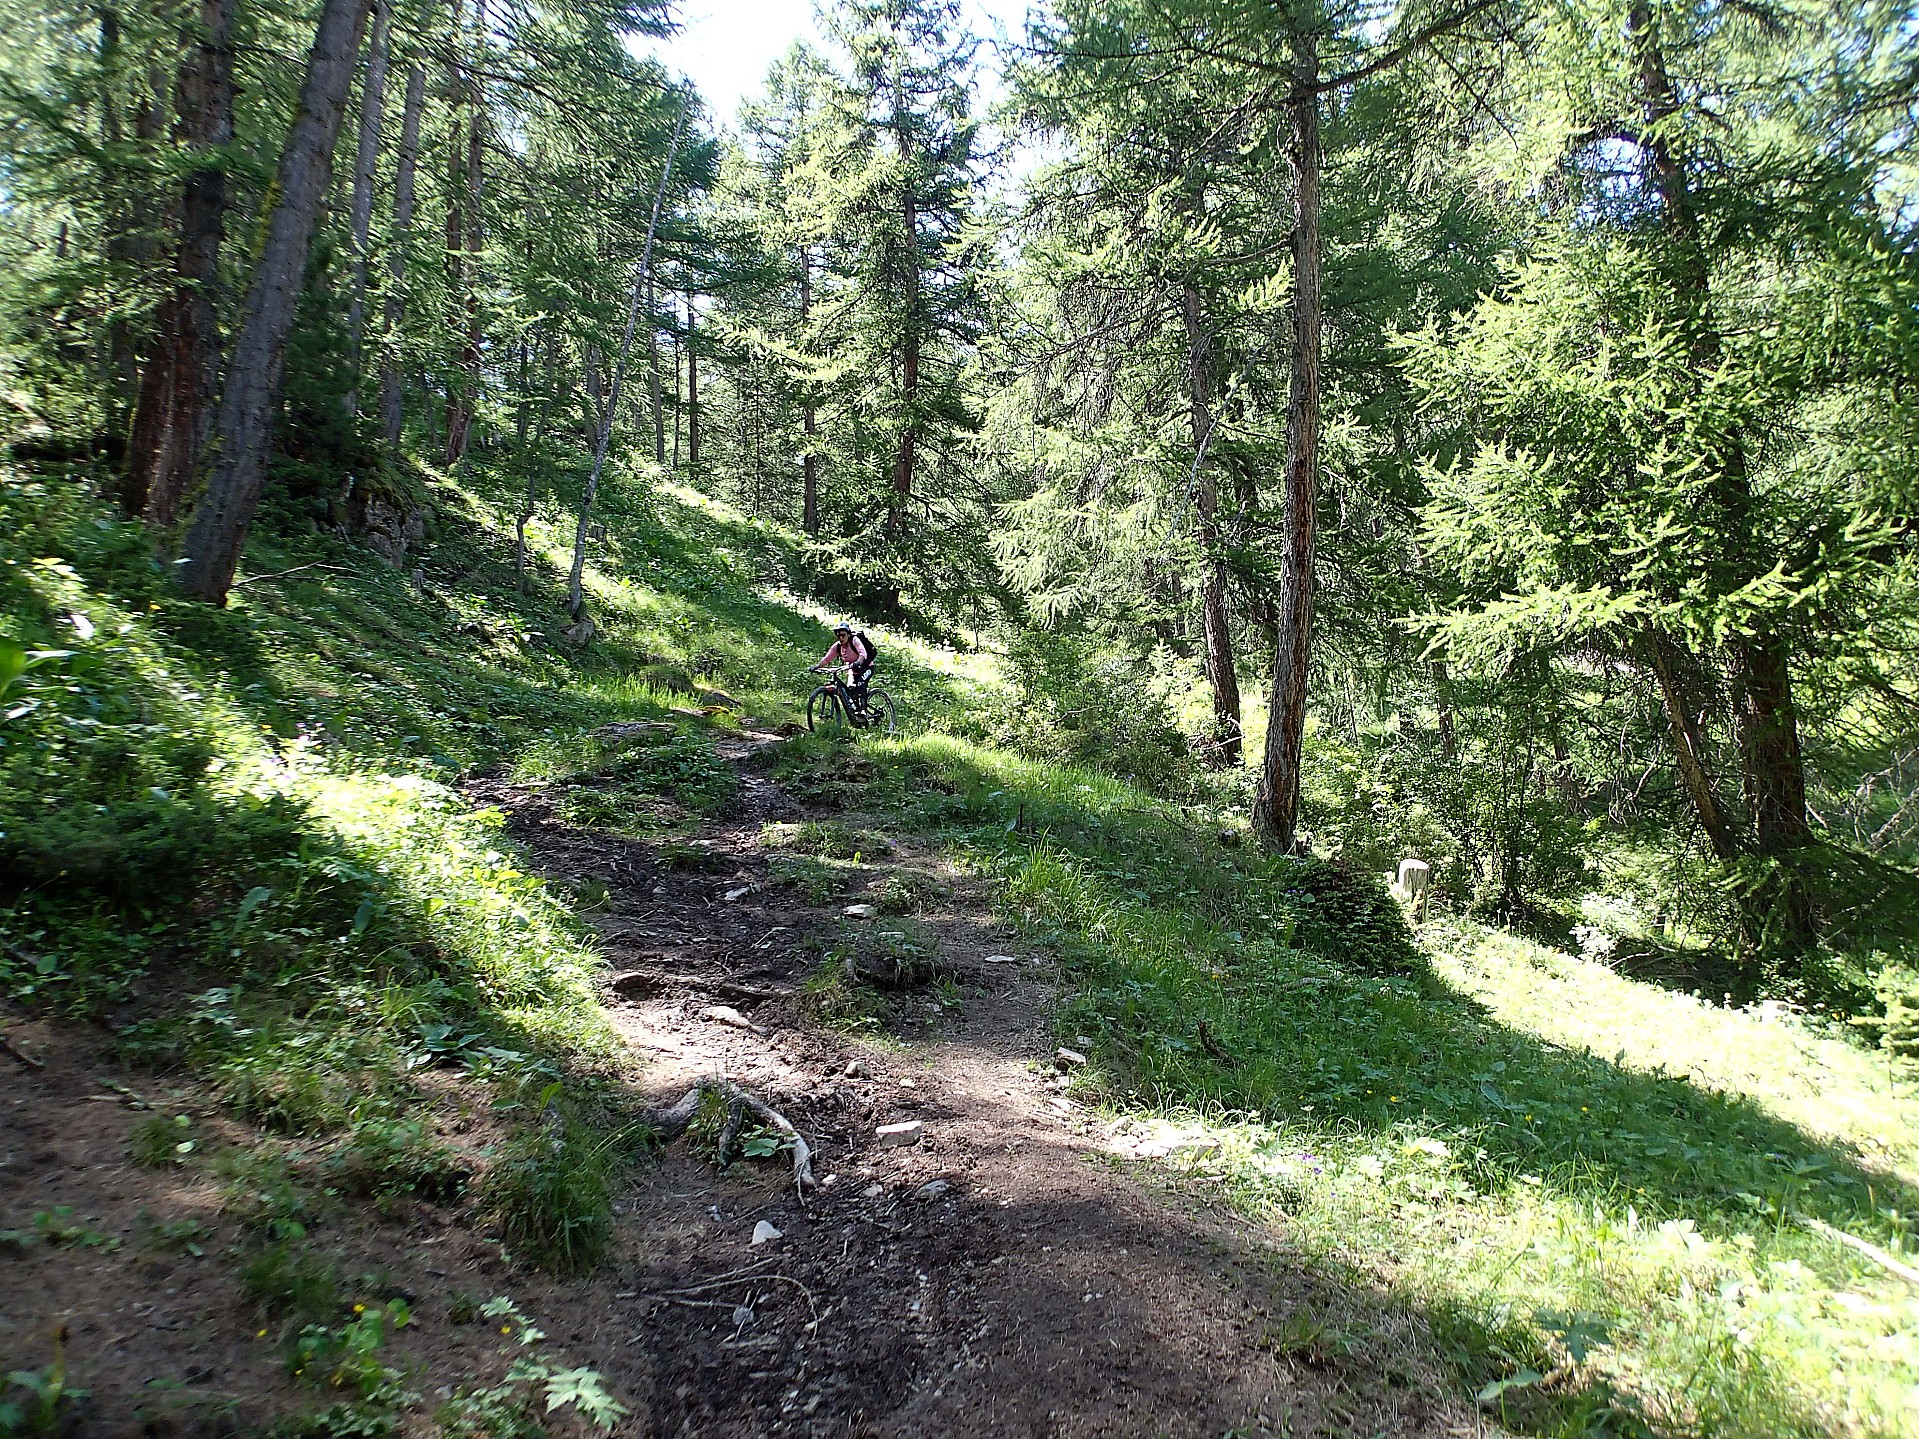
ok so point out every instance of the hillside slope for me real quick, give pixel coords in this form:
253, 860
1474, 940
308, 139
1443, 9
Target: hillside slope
353, 936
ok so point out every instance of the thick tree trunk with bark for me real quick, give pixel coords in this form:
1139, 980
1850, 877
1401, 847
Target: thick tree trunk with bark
243, 429
366, 158
1215, 622
1276, 805
392, 383
178, 389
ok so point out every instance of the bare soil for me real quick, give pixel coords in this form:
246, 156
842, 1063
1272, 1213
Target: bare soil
1006, 1275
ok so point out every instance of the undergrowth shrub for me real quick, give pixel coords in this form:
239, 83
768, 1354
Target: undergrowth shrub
1074, 700
551, 1193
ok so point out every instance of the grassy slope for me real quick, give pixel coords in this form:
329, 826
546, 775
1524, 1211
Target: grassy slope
1594, 1189
1550, 1162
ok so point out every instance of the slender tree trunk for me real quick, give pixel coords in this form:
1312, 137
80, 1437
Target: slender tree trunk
366, 159
904, 453
1215, 622
178, 389
1276, 806
809, 413
1688, 745
692, 393
678, 406
244, 427
392, 388
122, 363
642, 283
475, 178
653, 386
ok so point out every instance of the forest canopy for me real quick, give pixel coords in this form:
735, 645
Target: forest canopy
1454, 429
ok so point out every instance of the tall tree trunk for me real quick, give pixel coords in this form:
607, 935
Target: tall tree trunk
653, 386
1214, 620
366, 159
904, 453
678, 406
392, 386
1781, 910
122, 364
809, 413
475, 177
243, 429
532, 501
178, 389
642, 283
1276, 805
692, 393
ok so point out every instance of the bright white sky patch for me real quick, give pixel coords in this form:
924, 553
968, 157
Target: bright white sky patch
726, 46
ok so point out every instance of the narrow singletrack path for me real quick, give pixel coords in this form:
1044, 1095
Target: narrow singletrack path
1005, 1275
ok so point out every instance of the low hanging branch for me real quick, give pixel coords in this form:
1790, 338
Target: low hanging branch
671, 1123
642, 282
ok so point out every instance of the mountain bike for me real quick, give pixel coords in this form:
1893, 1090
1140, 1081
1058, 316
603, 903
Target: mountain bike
839, 704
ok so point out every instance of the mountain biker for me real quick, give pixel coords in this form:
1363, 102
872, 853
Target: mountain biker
855, 650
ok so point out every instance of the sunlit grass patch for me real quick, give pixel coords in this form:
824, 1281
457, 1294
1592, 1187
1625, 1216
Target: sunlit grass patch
1595, 1194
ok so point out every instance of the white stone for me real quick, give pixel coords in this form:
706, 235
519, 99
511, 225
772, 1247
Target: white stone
932, 1189
733, 896
1000, 959
764, 1233
861, 911
907, 1132
1069, 1056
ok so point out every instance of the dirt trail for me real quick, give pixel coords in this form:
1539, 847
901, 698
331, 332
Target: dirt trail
1003, 1276
1006, 1276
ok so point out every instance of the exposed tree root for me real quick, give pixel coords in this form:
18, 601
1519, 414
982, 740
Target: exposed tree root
671, 1122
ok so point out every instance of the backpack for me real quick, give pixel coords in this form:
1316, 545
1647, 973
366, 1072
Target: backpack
872, 650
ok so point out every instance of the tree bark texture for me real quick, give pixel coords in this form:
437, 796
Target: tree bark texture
1215, 622
366, 159
243, 429
1276, 804
178, 389
392, 386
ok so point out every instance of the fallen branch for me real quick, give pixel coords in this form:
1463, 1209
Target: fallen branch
1883, 1258
282, 574
671, 1122
20, 1054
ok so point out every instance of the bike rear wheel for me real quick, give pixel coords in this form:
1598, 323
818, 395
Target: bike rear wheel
825, 710
880, 714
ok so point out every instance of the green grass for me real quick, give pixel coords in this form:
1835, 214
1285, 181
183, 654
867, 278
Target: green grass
1593, 1191
242, 832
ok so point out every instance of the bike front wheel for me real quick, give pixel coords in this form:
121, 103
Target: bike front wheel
880, 714
825, 710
